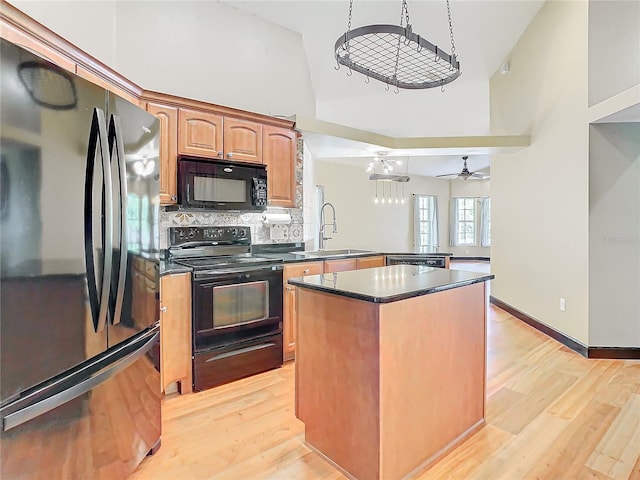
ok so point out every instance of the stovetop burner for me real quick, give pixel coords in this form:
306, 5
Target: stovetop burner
231, 261
215, 249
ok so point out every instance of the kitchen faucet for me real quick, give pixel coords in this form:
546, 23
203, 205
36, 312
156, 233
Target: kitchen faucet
322, 238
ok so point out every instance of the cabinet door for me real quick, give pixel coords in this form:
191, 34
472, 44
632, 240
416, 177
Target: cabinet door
289, 323
199, 133
242, 141
175, 331
279, 155
339, 265
370, 262
168, 117
289, 303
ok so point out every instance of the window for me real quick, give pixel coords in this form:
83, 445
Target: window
463, 231
485, 238
425, 226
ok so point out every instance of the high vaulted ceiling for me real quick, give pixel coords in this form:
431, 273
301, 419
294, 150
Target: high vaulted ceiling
484, 33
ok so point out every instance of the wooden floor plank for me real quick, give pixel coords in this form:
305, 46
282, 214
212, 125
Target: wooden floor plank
619, 449
551, 414
570, 451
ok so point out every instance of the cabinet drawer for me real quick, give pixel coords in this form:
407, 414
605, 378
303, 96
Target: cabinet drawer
150, 270
339, 265
214, 368
371, 262
139, 264
301, 269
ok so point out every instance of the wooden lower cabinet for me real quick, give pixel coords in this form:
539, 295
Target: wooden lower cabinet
340, 265
289, 303
370, 262
175, 331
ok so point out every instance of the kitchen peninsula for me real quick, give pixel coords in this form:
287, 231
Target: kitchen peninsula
390, 365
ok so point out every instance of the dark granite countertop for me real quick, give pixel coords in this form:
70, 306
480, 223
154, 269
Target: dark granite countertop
390, 284
167, 267
414, 254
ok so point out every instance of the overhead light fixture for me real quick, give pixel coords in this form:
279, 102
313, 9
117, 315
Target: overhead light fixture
394, 55
381, 169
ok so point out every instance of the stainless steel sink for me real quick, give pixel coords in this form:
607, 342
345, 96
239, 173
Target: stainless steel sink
332, 253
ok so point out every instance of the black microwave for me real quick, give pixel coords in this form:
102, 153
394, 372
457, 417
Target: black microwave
221, 185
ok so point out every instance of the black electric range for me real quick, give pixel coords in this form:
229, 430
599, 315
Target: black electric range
236, 303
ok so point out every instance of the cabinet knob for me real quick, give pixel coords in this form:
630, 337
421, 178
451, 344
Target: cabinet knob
220, 154
163, 309
174, 198
306, 270
230, 155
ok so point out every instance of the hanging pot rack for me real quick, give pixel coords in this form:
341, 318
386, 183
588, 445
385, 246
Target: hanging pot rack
395, 55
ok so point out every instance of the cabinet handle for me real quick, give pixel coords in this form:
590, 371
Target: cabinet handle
220, 154
174, 198
230, 155
163, 309
289, 288
306, 270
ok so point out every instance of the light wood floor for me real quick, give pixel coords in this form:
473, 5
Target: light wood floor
551, 414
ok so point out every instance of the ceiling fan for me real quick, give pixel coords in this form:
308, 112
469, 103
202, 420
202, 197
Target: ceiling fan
465, 174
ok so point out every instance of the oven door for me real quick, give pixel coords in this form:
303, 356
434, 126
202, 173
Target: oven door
233, 307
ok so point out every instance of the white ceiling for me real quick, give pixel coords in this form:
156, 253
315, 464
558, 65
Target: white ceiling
484, 32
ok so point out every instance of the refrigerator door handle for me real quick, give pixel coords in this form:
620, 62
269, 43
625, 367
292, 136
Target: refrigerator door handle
98, 137
16, 419
116, 139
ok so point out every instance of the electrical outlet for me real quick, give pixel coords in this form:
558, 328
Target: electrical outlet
563, 305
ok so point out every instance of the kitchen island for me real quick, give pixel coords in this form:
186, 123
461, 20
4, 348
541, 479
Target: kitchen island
390, 365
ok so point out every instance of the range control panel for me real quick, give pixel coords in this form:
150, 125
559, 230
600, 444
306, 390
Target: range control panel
215, 235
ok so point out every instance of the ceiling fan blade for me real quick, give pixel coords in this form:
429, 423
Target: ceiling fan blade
480, 175
452, 175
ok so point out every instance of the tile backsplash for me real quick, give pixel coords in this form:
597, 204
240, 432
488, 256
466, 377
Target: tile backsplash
260, 233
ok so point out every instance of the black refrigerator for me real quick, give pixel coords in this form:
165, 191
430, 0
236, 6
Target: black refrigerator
79, 211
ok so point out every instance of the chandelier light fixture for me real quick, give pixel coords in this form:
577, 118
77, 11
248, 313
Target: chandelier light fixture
387, 172
395, 55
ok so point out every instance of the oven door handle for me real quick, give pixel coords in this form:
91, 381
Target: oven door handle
206, 275
240, 351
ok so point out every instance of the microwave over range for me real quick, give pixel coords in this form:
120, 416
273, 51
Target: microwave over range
221, 185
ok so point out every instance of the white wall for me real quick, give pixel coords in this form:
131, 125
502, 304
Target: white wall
477, 189
363, 224
540, 195
614, 47
196, 49
614, 235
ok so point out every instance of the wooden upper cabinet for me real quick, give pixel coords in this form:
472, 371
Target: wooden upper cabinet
242, 140
200, 133
168, 117
279, 155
